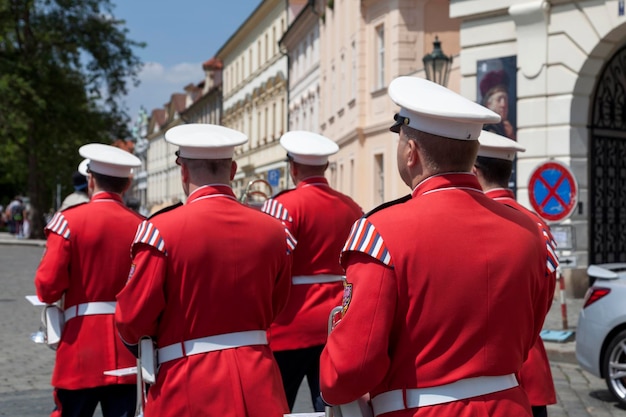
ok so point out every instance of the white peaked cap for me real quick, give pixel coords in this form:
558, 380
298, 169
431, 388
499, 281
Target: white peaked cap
429, 107
109, 160
205, 141
308, 148
82, 167
497, 146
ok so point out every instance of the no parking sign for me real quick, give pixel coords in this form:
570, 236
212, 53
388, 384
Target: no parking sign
553, 191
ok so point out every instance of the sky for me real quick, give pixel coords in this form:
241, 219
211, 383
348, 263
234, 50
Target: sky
180, 36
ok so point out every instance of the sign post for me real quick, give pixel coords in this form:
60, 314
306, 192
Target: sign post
553, 193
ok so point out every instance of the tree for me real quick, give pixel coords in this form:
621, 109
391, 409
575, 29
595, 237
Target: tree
64, 67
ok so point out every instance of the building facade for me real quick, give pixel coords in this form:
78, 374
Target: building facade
255, 91
562, 63
302, 45
570, 77
364, 45
164, 180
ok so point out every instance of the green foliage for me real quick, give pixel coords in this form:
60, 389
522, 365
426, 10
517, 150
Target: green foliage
64, 66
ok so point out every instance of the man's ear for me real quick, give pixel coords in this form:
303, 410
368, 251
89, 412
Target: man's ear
413, 156
293, 169
233, 170
184, 173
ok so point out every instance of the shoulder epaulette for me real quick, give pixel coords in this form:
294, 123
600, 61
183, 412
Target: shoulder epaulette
166, 209
365, 238
275, 209
400, 200
58, 224
148, 234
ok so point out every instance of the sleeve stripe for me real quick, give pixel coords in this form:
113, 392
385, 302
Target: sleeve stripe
59, 225
149, 235
364, 238
291, 240
552, 262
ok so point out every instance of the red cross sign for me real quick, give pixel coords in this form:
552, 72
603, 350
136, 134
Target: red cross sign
553, 191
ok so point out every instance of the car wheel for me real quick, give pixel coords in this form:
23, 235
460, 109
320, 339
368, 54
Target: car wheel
614, 367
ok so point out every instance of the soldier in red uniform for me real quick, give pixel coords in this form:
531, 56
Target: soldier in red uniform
446, 291
207, 280
493, 168
319, 218
85, 265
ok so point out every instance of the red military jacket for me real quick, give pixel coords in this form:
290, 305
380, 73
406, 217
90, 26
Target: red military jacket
446, 286
86, 260
319, 218
210, 267
535, 376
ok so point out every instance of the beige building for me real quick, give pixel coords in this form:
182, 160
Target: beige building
200, 103
567, 69
255, 91
164, 181
363, 46
204, 100
302, 45
570, 77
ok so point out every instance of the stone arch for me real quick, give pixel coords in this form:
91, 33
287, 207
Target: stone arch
607, 162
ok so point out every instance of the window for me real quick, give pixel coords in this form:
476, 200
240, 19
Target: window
379, 179
273, 131
342, 81
266, 125
353, 75
258, 126
333, 80
380, 56
351, 190
274, 43
250, 125
280, 117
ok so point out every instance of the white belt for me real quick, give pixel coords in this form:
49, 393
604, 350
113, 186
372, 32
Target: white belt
90, 309
211, 344
316, 279
421, 397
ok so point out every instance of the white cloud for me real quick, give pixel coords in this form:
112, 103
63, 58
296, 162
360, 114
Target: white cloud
158, 83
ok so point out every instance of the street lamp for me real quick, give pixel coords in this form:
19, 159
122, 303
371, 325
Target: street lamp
437, 65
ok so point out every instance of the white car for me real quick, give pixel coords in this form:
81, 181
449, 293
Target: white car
601, 331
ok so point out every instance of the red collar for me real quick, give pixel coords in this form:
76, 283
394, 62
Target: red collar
456, 180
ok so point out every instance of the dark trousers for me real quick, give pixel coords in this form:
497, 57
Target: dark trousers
115, 401
294, 366
540, 411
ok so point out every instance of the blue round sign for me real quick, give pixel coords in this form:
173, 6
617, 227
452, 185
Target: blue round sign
553, 191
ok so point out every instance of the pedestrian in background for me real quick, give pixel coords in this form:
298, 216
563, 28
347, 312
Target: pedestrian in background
85, 265
493, 168
14, 215
446, 290
207, 280
319, 218
79, 182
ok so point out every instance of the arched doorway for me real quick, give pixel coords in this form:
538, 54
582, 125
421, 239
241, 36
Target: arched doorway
607, 164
